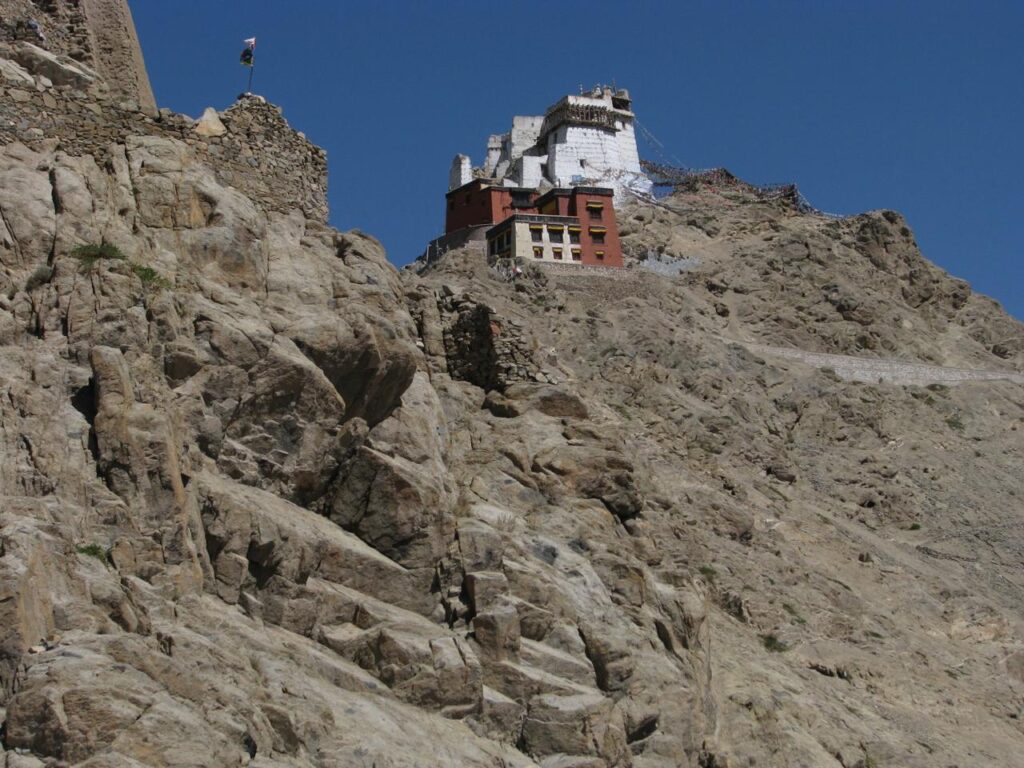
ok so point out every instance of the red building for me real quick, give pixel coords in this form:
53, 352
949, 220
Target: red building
481, 202
568, 226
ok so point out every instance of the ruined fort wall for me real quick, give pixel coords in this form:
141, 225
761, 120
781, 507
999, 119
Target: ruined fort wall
259, 153
117, 55
47, 94
97, 33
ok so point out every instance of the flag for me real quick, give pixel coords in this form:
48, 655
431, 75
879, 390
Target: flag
247, 53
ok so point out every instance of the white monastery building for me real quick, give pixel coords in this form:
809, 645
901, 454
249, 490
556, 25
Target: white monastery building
586, 140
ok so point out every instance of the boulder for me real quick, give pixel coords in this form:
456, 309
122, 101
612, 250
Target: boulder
60, 70
580, 724
209, 125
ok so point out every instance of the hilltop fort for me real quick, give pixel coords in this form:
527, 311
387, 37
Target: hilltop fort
548, 188
581, 140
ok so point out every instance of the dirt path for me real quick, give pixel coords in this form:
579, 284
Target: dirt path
889, 370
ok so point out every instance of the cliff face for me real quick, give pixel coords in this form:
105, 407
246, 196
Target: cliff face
265, 501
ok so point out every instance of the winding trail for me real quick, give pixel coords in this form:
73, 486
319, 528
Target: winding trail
871, 369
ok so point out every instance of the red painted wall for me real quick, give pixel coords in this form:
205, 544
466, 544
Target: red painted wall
612, 247
477, 203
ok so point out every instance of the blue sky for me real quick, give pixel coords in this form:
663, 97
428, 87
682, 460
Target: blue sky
915, 106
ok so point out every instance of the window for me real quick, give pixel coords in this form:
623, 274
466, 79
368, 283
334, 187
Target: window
537, 234
556, 234
557, 252
538, 252
574, 234
600, 255
596, 211
576, 255
597, 235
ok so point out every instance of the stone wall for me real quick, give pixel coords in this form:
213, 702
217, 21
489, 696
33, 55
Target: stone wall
97, 33
483, 348
472, 239
256, 150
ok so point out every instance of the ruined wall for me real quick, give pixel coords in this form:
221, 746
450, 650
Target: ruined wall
97, 33
466, 339
269, 161
117, 55
258, 153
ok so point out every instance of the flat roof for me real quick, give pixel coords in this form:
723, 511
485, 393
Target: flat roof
484, 183
569, 191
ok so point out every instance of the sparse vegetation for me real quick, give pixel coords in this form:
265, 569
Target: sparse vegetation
91, 253
954, 422
773, 644
506, 522
708, 572
150, 276
621, 410
915, 527
92, 550
40, 276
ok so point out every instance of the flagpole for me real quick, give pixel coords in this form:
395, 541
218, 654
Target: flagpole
249, 60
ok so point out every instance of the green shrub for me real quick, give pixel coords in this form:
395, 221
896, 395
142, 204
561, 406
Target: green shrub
90, 253
150, 276
773, 644
708, 572
93, 550
40, 276
915, 526
954, 422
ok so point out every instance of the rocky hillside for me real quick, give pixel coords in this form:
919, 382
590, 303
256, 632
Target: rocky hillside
268, 502
845, 557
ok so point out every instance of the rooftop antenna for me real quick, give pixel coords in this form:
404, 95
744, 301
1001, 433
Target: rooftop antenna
581, 89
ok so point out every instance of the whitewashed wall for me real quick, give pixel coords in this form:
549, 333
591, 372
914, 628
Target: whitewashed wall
523, 245
461, 172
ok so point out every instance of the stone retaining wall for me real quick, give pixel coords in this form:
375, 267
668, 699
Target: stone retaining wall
582, 271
